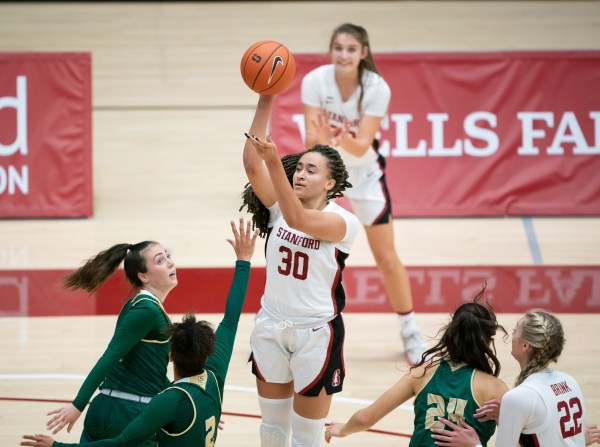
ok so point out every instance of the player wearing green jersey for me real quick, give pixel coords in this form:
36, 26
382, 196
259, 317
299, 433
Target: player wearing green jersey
461, 373
133, 368
189, 410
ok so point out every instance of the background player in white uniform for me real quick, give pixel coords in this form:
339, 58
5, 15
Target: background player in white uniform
546, 407
344, 103
297, 341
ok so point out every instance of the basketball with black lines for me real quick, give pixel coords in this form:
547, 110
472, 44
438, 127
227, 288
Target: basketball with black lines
268, 67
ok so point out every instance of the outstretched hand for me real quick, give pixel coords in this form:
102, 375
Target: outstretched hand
244, 240
323, 131
266, 149
66, 415
333, 430
38, 441
462, 435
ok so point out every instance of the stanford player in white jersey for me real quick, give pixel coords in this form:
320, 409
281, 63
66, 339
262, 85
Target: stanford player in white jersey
546, 409
304, 273
297, 340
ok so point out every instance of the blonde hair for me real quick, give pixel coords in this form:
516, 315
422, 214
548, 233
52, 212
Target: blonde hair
544, 333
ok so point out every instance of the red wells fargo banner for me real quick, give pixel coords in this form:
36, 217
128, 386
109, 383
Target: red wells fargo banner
45, 135
480, 134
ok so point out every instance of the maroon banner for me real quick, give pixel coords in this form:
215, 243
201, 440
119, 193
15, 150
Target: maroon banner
480, 134
45, 135
514, 289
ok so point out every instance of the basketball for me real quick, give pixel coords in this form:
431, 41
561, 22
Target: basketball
268, 67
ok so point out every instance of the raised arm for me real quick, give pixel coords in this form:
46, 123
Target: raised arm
254, 166
325, 226
243, 242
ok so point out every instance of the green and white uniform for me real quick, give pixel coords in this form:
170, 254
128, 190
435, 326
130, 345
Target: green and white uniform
447, 394
134, 365
189, 410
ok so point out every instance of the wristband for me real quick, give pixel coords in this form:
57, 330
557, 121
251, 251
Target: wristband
477, 445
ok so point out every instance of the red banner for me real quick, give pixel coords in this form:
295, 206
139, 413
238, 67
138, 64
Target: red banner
514, 289
45, 135
480, 134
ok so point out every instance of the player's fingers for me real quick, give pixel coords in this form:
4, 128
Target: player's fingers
234, 228
249, 227
59, 428
243, 231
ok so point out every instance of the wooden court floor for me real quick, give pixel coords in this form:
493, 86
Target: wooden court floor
168, 116
45, 361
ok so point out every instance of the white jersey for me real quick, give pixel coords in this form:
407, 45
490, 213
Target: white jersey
319, 89
304, 274
546, 410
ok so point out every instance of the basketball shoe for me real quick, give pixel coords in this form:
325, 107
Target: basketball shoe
414, 346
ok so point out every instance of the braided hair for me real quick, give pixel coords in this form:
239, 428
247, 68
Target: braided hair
338, 172
544, 333
468, 338
260, 213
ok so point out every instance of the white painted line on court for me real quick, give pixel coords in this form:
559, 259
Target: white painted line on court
241, 389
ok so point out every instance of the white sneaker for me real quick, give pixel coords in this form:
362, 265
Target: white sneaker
414, 346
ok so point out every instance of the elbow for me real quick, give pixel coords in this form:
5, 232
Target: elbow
295, 221
249, 166
362, 421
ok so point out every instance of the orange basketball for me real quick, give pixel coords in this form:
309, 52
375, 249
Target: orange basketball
268, 67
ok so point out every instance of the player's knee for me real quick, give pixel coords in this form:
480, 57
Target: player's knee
388, 263
307, 432
276, 421
273, 436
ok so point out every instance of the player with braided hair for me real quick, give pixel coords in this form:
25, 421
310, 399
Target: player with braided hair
546, 407
260, 213
297, 340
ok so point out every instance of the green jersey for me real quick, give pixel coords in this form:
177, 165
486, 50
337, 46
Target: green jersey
447, 394
137, 356
189, 410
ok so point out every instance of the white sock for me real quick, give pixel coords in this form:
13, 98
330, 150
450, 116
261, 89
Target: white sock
407, 319
276, 425
307, 432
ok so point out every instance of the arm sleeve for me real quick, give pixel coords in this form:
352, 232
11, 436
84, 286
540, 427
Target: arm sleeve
159, 412
131, 328
218, 362
353, 226
378, 98
516, 412
309, 90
